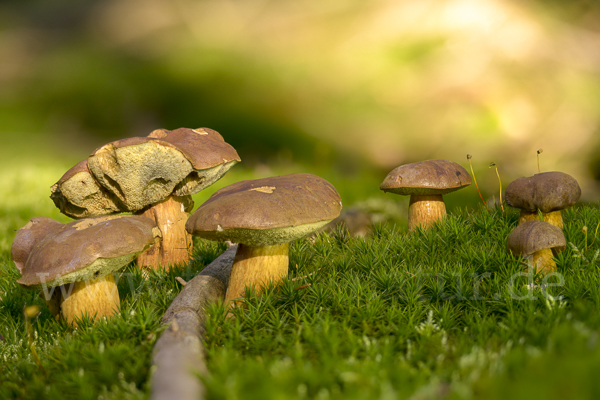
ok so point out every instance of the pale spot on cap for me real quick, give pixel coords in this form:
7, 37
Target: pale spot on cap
264, 189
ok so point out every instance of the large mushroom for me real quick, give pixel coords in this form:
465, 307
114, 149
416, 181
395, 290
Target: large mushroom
154, 176
538, 242
263, 216
426, 182
548, 192
78, 260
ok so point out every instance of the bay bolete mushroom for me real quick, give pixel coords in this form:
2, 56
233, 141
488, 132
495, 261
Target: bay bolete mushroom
154, 176
263, 216
426, 182
78, 259
538, 241
548, 192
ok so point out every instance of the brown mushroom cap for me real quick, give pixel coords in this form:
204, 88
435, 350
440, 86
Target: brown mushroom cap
533, 236
204, 148
133, 173
145, 171
426, 178
548, 191
28, 236
91, 247
267, 211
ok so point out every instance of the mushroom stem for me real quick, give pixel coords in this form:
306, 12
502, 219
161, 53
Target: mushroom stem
97, 298
542, 261
553, 217
425, 210
170, 217
256, 267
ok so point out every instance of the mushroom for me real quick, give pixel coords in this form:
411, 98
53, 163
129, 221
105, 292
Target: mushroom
548, 192
426, 182
78, 259
263, 216
154, 176
537, 241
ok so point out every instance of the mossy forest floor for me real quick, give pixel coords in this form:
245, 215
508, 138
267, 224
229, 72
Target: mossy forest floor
443, 313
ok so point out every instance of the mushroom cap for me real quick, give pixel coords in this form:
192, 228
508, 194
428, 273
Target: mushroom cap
267, 211
92, 247
27, 237
142, 171
548, 191
78, 194
426, 178
532, 236
204, 148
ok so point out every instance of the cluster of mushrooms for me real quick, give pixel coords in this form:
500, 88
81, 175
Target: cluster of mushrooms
152, 179
537, 238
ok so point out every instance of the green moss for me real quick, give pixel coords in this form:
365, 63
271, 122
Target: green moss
437, 313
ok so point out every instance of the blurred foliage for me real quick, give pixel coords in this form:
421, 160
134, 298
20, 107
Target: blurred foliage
353, 87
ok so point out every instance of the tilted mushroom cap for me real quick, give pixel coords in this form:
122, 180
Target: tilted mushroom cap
532, 236
142, 171
426, 178
27, 237
91, 247
78, 195
267, 211
206, 150
548, 191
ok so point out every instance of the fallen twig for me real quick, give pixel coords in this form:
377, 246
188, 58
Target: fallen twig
302, 287
179, 353
181, 280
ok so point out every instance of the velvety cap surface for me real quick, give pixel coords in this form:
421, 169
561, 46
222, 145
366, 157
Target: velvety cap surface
76, 250
426, 178
286, 206
532, 236
27, 237
548, 191
203, 147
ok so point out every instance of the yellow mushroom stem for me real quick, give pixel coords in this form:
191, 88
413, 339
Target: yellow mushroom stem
553, 217
256, 267
96, 297
542, 261
425, 210
175, 247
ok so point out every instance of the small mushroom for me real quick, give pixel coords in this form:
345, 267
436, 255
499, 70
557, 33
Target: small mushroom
263, 216
548, 192
78, 259
426, 182
537, 241
154, 176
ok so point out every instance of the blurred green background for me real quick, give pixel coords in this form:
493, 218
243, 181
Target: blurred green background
342, 88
